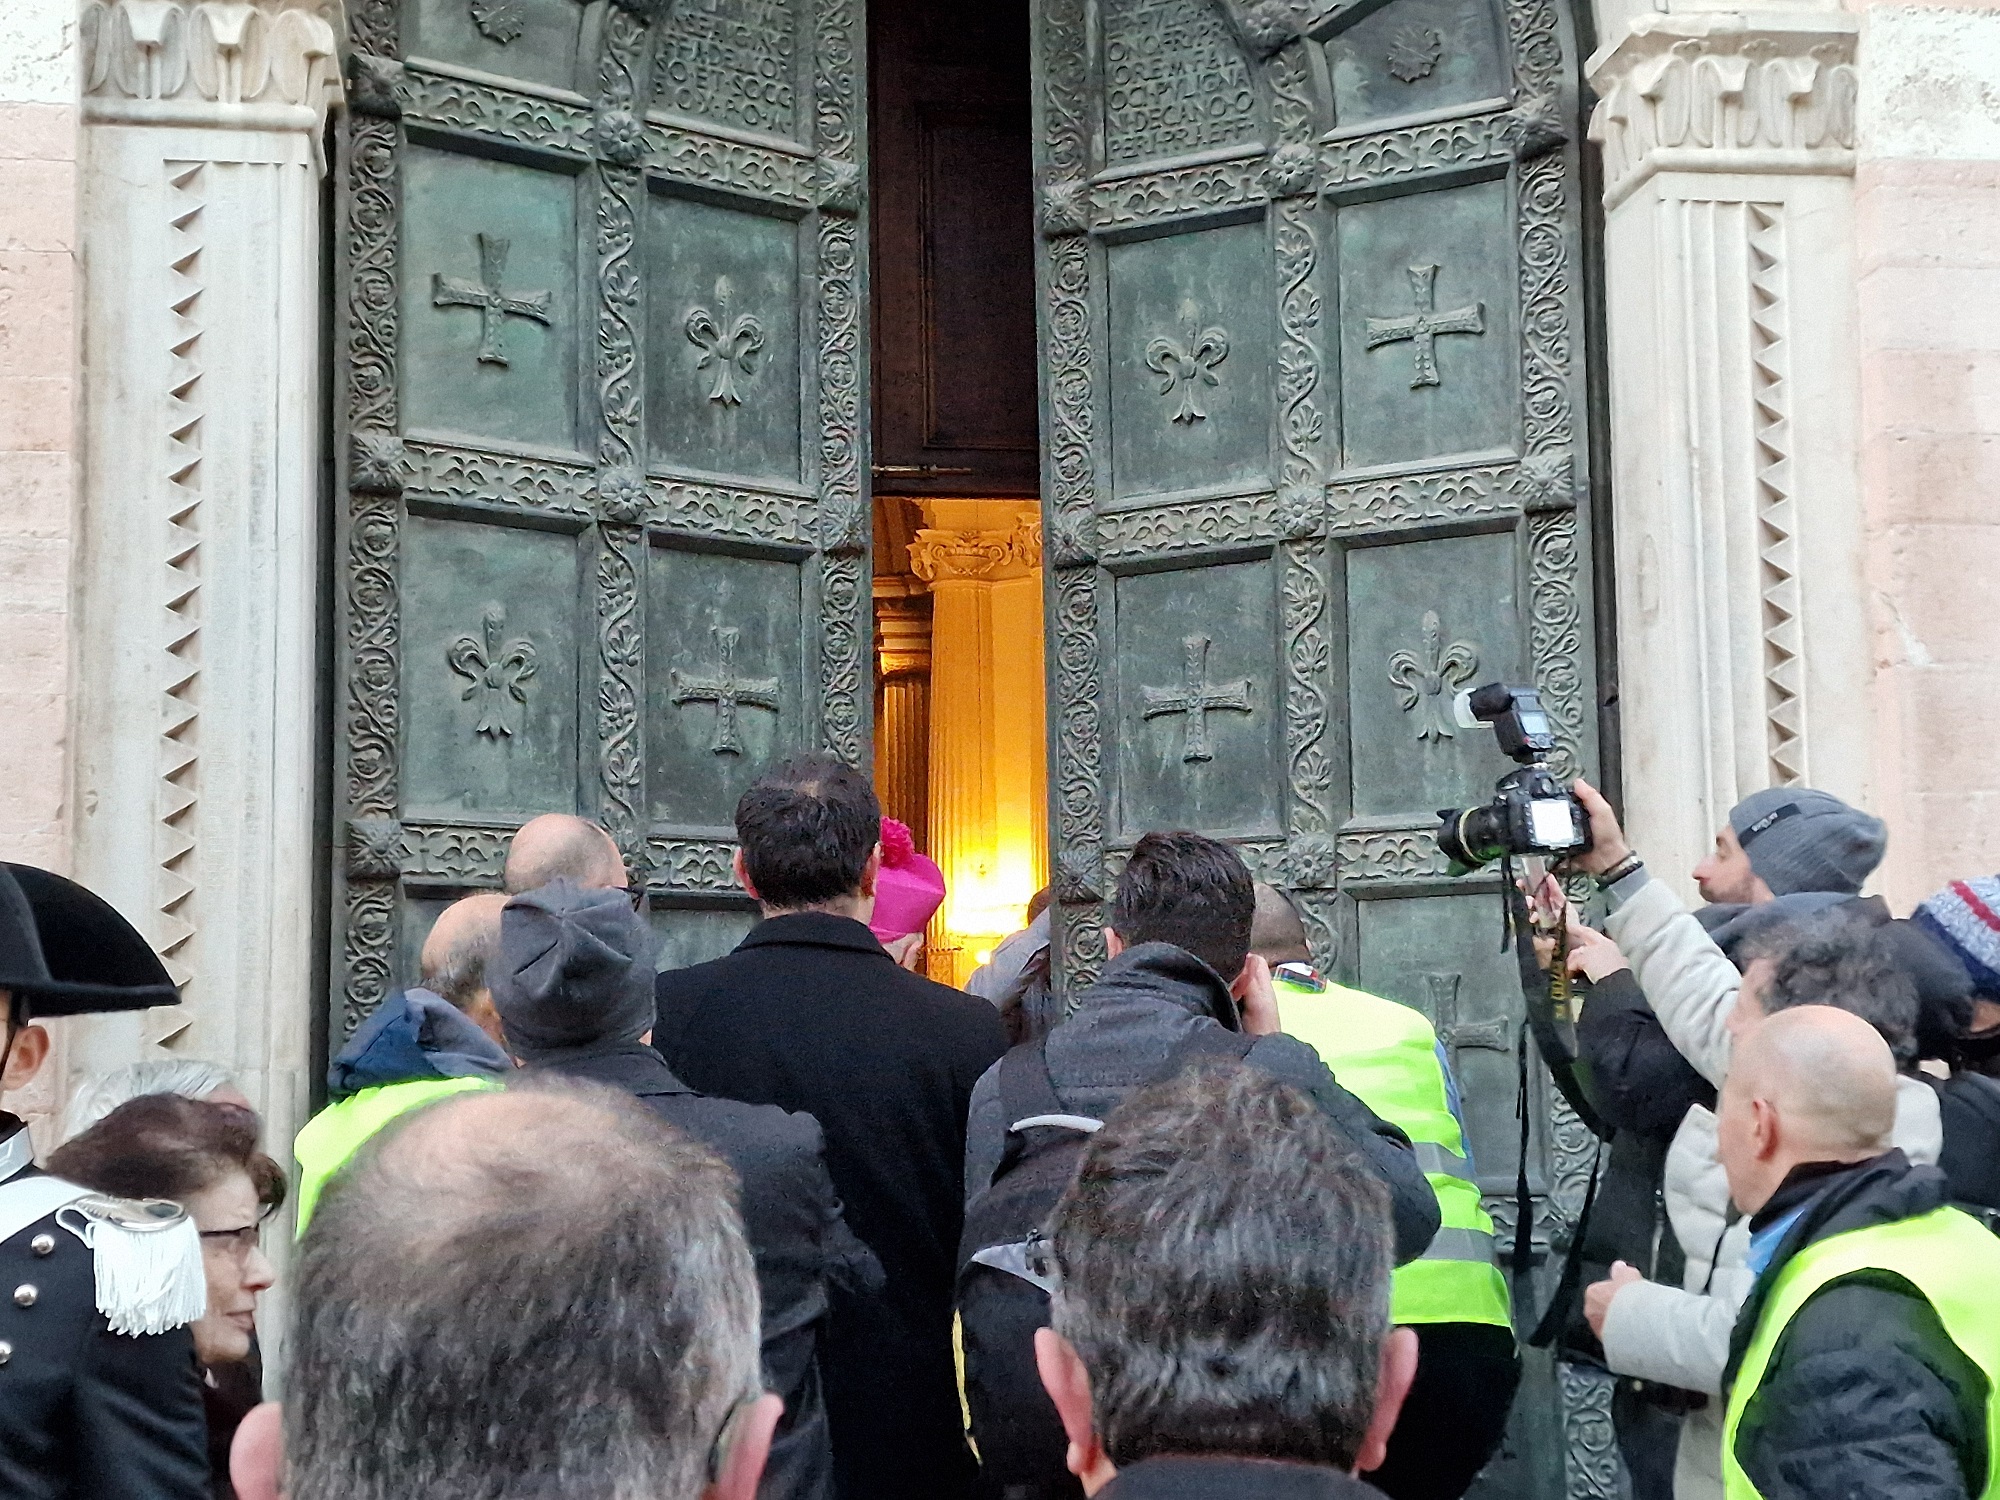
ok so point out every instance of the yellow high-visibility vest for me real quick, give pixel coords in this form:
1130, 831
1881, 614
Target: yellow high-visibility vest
1385, 1054
329, 1138
1947, 1255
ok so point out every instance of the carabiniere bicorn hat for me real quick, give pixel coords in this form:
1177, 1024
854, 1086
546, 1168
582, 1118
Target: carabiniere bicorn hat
65, 951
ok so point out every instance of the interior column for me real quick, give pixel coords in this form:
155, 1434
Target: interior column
988, 764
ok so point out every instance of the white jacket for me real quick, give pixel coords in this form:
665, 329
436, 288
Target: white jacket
1679, 1336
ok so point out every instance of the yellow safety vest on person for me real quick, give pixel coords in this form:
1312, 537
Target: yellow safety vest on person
1946, 1254
1386, 1055
329, 1138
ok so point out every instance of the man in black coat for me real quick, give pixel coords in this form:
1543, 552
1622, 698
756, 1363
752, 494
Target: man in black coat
573, 986
1845, 1375
810, 1013
98, 1390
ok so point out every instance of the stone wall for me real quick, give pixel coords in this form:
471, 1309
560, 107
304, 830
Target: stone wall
38, 283
1927, 211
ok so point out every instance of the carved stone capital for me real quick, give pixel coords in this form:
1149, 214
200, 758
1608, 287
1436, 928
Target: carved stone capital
1725, 92
984, 555
243, 64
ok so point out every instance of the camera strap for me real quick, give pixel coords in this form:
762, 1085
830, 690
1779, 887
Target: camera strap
1558, 1050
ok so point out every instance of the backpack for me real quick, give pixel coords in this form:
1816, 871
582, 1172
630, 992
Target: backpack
1003, 1282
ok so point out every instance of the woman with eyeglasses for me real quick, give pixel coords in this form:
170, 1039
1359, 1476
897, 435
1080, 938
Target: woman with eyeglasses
203, 1155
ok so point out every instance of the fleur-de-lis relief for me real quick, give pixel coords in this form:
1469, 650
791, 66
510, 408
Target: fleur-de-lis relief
1188, 362
495, 671
1426, 678
728, 349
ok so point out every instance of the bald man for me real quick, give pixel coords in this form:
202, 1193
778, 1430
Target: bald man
1863, 1361
439, 1037
562, 846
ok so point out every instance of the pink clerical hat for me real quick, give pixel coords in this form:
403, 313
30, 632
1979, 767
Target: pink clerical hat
910, 888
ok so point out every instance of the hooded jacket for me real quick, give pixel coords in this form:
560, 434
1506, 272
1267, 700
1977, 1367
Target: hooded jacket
1865, 1393
416, 1048
1679, 1336
1124, 1028
417, 1034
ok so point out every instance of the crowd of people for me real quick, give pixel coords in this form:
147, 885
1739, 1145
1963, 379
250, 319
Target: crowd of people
801, 1223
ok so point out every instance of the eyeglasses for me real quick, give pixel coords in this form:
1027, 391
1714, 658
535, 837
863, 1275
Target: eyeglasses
636, 894
235, 1243
725, 1435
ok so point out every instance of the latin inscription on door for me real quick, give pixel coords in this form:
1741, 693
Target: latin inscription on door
730, 61
1175, 83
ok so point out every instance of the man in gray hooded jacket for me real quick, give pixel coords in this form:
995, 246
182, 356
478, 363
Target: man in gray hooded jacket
574, 990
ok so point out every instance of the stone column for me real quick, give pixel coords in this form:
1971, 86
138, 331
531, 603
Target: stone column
988, 757
1728, 149
903, 704
197, 712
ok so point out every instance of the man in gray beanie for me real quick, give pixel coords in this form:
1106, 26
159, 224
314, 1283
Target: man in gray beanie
574, 989
1787, 840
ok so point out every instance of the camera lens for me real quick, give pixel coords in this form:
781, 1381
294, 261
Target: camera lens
1473, 836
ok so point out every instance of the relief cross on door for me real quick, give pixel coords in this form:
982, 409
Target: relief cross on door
488, 294
1422, 326
725, 690
1197, 697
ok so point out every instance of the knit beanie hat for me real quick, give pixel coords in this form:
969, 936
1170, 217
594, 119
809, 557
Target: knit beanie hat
909, 889
575, 968
1965, 917
1802, 840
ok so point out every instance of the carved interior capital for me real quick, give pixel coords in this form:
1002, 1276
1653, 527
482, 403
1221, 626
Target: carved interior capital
276, 62
1707, 92
983, 553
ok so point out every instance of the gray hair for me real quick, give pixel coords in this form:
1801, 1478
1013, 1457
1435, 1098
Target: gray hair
544, 1291
190, 1077
1832, 959
1223, 1265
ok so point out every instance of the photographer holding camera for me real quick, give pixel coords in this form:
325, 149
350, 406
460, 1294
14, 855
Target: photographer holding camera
1778, 846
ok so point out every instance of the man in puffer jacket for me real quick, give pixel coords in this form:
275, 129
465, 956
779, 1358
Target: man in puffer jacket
1680, 1336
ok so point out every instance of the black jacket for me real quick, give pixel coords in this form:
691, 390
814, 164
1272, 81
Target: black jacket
85, 1413
1125, 1027
792, 1218
1969, 1111
809, 1013
1864, 1394
1233, 1479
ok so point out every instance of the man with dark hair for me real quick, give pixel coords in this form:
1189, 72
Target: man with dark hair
541, 1291
1454, 1296
1157, 1005
811, 1013
1259, 1362
573, 984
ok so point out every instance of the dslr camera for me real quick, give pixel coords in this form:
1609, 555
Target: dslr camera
1532, 812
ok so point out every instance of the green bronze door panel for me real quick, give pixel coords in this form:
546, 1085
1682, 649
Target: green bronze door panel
602, 543
1312, 409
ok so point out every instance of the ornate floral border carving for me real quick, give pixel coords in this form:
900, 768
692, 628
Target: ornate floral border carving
690, 156
683, 864
1169, 194
1357, 163
1187, 525
495, 111
454, 853
723, 510
451, 472
1404, 499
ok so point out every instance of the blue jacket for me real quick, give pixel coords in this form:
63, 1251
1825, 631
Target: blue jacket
415, 1035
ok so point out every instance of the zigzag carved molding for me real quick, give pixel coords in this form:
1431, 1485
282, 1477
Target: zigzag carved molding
1777, 521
